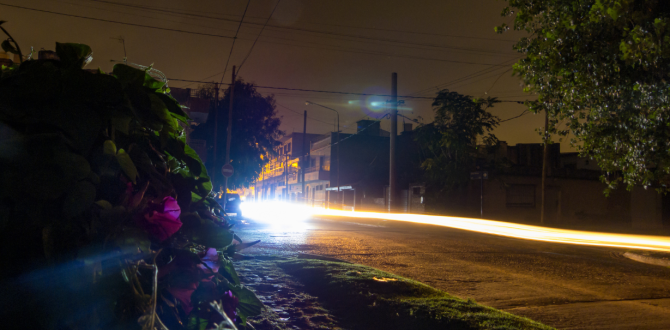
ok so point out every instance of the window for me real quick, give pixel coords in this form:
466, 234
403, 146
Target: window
288, 149
416, 191
312, 162
521, 195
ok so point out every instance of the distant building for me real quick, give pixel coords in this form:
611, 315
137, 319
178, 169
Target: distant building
574, 193
280, 177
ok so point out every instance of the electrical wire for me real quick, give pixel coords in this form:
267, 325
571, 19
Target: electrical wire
183, 11
259, 35
466, 77
515, 117
117, 22
303, 29
302, 114
234, 39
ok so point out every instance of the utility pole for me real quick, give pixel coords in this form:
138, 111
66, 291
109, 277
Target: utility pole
216, 129
545, 157
392, 151
229, 133
303, 163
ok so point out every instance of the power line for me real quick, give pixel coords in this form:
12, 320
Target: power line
259, 35
515, 117
233, 45
182, 12
315, 90
302, 29
117, 22
472, 75
297, 112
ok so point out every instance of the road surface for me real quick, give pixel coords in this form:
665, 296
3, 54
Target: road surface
565, 286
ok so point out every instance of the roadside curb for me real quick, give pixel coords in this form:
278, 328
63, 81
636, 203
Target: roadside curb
647, 259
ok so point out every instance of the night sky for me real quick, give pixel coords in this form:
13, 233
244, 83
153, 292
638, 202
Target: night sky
431, 44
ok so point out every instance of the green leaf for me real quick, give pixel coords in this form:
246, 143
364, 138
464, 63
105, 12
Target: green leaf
159, 108
249, 304
227, 269
174, 107
128, 74
151, 83
8, 47
105, 205
79, 199
197, 323
73, 55
127, 165
205, 232
73, 165
122, 123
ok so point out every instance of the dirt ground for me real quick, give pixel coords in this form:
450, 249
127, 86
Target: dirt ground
287, 305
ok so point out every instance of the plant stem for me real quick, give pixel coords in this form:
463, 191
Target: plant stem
15, 44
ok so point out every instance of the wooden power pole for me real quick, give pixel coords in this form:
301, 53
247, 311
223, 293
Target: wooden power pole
545, 158
303, 158
229, 134
392, 152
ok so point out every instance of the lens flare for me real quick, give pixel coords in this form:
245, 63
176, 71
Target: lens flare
276, 213
500, 228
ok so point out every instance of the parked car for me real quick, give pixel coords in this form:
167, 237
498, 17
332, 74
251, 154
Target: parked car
233, 205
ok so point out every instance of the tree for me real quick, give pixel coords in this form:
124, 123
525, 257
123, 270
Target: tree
255, 134
449, 144
601, 67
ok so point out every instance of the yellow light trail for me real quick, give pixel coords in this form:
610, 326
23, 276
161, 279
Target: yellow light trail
536, 233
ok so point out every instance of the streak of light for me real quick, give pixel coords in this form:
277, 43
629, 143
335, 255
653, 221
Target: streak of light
536, 233
285, 212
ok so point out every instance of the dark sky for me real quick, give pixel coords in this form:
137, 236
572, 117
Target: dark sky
431, 44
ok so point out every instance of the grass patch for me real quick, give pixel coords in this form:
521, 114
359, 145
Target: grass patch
368, 298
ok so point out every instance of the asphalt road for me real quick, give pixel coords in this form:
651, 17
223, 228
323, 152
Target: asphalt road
565, 286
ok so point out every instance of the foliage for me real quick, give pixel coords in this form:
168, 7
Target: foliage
601, 67
449, 144
107, 215
255, 133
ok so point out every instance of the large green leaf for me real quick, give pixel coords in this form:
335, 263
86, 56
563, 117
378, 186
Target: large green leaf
78, 199
194, 166
74, 166
8, 47
128, 74
249, 304
151, 83
109, 148
205, 232
73, 55
227, 269
127, 165
174, 107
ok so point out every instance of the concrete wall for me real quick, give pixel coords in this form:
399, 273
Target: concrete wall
568, 201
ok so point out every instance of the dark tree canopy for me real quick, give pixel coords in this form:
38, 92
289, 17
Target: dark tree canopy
255, 134
449, 144
601, 68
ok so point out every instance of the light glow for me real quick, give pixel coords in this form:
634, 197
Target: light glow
288, 213
276, 213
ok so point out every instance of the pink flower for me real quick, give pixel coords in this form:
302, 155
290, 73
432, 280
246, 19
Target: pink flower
210, 258
162, 220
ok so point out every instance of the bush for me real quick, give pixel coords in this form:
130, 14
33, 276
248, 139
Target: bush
106, 213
